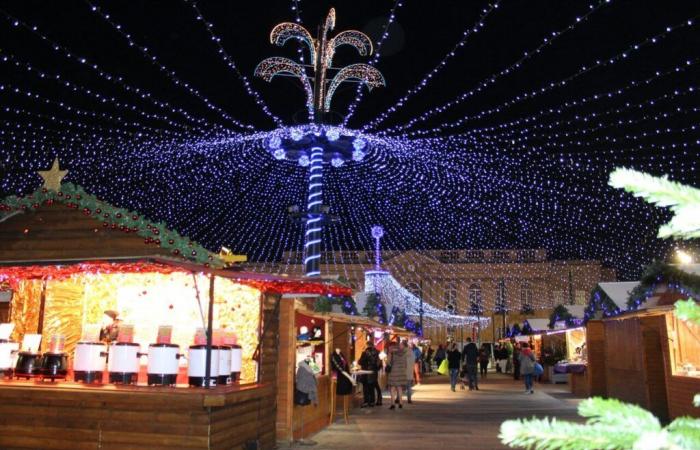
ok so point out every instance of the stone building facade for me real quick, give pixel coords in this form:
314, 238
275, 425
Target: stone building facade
526, 283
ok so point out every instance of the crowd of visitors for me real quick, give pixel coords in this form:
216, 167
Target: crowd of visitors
405, 365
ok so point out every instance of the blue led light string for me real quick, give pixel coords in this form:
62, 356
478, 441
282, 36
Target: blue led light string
373, 62
91, 93
485, 12
314, 221
228, 60
492, 79
557, 128
42, 100
62, 50
580, 101
585, 69
170, 74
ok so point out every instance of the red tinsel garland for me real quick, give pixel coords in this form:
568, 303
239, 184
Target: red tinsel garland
15, 274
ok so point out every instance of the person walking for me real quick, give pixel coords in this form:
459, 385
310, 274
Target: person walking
417, 357
484, 356
397, 373
470, 355
410, 371
428, 361
369, 360
453, 360
440, 355
502, 358
516, 361
509, 356
527, 366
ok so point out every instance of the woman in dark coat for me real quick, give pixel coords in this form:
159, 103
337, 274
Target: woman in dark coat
342, 371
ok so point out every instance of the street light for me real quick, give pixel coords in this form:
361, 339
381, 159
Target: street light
683, 257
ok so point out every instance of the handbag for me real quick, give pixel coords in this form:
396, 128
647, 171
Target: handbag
539, 370
444, 367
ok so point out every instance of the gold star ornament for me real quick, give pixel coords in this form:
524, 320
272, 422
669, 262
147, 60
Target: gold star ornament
53, 176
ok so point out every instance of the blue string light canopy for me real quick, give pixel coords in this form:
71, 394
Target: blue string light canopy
317, 143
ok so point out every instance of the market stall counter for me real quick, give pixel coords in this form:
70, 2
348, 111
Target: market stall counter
186, 358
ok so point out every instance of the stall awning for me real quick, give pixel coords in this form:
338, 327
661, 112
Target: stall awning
619, 292
538, 324
15, 271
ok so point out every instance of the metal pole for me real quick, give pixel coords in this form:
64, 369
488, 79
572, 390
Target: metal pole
210, 320
314, 226
421, 308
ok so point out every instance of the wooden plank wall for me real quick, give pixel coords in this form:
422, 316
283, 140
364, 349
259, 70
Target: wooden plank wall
653, 330
64, 419
56, 232
595, 341
285, 370
680, 390
625, 375
232, 425
153, 418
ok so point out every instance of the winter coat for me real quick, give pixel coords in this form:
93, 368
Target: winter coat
398, 360
470, 354
410, 362
369, 360
527, 362
344, 386
306, 382
453, 359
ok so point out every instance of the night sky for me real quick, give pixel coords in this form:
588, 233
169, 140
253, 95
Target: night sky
493, 180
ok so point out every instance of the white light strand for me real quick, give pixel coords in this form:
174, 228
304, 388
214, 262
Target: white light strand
170, 74
373, 62
552, 85
228, 60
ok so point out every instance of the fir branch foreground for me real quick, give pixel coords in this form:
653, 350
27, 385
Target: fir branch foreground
610, 424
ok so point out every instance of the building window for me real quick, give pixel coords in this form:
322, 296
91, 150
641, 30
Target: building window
559, 298
527, 255
581, 298
501, 255
526, 306
450, 296
474, 255
501, 301
449, 256
476, 305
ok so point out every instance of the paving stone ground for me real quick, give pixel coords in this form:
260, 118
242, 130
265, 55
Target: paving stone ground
445, 420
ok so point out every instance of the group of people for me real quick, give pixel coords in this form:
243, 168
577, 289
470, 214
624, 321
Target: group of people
405, 363
403, 366
515, 356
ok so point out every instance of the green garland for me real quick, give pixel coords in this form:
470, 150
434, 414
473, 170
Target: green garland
122, 219
600, 301
561, 312
657, 272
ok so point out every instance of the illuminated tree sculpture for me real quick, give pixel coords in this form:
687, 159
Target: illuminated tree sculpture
318, 143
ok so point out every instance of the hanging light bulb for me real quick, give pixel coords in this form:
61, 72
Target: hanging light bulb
333, 134
279, 154
358, 155
274, 143
337, 161
359, 144
296, 134
304, 160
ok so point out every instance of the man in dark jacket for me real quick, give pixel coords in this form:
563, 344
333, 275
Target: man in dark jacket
453, 359
369, 360
470, 356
